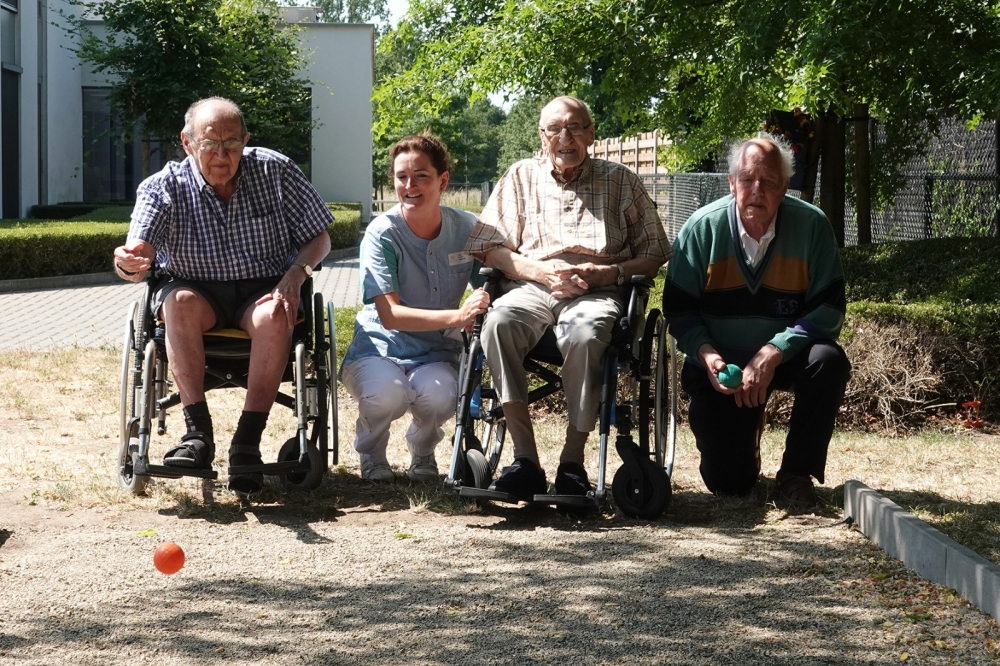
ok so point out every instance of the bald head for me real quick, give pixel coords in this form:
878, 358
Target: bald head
774, 149
212, 109
566, 103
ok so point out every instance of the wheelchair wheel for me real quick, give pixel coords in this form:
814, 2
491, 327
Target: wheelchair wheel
308, 480
483, 431
131, 377
645, 495
333, 414
477, 470
320, 365
657, 392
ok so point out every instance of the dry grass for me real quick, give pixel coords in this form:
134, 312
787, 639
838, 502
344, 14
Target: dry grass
59, 416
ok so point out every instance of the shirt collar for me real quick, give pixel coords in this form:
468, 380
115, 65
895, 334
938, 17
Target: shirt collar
585, 168
768, 235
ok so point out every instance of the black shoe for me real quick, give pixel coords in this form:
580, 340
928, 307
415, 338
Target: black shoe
571, 479
797, 492
195, 451
523, 479
247, 483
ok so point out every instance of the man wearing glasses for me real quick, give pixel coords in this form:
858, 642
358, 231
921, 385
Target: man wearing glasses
238, 231
569, 232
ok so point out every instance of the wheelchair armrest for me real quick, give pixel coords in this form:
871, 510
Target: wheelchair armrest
643, 281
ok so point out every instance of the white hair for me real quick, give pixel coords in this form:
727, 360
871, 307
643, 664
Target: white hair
229, 108
780, 143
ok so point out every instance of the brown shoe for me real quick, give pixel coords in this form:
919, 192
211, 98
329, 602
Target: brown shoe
797, 492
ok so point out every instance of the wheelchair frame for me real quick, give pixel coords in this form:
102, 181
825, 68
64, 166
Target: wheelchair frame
643, 353
302, 459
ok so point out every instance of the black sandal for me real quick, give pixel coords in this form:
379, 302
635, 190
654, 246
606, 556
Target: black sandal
195, 451
244, 483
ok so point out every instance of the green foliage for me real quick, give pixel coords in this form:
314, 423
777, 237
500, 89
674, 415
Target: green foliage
61, 211
30, 248
106, 214
162, 55
346, 227
701, 72
518, 133
353, 11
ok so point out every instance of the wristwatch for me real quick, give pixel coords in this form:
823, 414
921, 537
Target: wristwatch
305, 267
621, 274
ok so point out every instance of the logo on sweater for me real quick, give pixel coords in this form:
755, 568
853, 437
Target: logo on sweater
784, 307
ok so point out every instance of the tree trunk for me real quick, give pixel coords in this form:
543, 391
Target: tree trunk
862, 175
832, 188
146, 160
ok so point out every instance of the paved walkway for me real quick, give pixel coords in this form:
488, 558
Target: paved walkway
95, 316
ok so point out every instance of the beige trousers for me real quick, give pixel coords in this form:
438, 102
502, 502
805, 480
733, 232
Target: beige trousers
582, 327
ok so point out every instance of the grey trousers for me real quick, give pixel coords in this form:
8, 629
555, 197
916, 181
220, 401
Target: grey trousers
582, 327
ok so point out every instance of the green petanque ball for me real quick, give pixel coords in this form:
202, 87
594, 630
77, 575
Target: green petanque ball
731, 376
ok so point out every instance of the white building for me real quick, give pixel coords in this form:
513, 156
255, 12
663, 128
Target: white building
52, 108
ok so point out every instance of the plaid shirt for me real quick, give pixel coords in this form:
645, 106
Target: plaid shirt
273, 212
603, 215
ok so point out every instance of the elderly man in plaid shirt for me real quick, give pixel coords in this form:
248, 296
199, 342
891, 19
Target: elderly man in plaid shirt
238, 230
568, 232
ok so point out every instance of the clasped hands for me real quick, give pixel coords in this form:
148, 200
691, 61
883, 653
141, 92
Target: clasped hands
566, 280
757, 375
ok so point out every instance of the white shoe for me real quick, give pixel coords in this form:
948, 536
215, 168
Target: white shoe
423, 468
376, 471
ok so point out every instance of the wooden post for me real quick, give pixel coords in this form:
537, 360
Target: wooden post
832, 187
862, 175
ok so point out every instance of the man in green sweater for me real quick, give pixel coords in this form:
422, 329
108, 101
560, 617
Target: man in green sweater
756, 281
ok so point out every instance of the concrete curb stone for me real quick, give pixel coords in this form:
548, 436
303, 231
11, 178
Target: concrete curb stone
923, 548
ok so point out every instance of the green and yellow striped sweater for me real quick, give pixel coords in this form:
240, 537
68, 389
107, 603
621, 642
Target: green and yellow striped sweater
796, 293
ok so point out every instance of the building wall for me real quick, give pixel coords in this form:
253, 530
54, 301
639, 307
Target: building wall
341, 67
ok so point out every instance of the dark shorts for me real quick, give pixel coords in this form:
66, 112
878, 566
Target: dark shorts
229, 299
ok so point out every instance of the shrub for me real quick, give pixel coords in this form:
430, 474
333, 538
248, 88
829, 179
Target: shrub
30, 249
61, 211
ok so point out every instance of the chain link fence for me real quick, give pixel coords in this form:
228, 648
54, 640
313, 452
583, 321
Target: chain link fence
952, 190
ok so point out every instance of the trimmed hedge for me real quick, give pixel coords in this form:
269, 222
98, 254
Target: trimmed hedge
34, 248
61, 211
30, 249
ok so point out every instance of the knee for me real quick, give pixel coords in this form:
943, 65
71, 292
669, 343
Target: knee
729, 480
388, 403
828, 364
182, 305
498, 319
582, 333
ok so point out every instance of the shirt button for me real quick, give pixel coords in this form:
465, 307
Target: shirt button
435, 288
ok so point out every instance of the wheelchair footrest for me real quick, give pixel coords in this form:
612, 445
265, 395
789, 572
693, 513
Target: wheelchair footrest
271, 469
577, 502
492, 495
170, 472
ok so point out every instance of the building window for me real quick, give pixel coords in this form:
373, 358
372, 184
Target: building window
112, 158
9, 4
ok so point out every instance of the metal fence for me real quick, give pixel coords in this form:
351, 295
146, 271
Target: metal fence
952, 190
465, 195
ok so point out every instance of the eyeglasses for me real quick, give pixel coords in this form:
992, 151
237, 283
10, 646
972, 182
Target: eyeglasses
552, 131
212, 145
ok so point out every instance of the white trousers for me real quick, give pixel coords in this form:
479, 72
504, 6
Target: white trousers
385, 392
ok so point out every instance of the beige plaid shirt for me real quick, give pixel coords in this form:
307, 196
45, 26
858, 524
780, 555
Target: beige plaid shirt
603, 215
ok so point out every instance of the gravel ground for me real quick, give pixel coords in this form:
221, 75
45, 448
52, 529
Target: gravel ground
362, 582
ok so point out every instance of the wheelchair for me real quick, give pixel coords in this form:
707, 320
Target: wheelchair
638, 397
146, 396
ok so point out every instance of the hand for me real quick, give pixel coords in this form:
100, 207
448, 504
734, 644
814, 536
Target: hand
286, 296
713, 364
475, 305
132, 257
757, 376
590, 274
561, 278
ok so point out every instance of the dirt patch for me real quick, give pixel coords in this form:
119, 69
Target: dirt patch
360, 573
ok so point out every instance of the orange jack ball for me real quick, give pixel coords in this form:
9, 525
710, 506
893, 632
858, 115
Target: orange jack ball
168, 558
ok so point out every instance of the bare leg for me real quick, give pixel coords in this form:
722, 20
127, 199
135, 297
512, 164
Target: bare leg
187, 315
271, 340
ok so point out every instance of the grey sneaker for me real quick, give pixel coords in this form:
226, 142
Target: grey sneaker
376, 471
423, 468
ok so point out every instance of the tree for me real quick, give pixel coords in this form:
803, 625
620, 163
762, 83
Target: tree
162, 55
704, 71
354, 11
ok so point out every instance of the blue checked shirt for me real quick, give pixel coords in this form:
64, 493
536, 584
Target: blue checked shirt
273, 212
